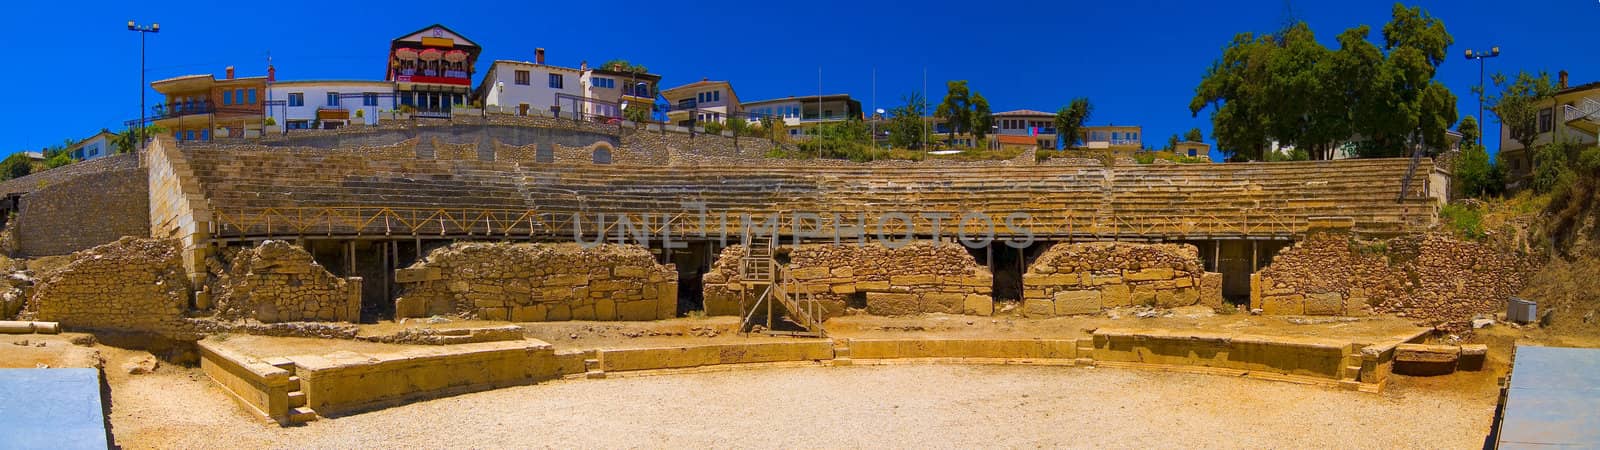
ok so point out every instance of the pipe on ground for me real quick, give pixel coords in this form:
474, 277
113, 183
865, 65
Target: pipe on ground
29, 327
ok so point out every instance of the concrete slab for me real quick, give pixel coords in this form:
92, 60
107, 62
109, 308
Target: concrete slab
1552, 398
51, 409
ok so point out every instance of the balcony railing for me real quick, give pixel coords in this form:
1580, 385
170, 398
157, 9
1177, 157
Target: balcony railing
460, 77
171, 110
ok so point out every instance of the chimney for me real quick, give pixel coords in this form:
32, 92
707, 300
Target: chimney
538, 55
1562, 77
583, 65
703, 79
230, 72
272, 74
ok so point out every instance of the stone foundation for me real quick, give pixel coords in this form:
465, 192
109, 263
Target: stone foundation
1433, 278
1085, 278
131, 284
539, 282
922, 277
279, 282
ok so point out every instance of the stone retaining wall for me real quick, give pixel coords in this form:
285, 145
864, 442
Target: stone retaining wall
539, 282
79, 210
131, 284
279, 282
1434, 278
1084, 278
922, 277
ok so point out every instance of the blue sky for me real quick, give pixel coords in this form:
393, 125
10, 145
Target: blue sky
1137, 61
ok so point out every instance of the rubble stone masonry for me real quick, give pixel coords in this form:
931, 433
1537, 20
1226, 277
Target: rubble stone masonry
131, 284
1434, 278
923, 277
539, 282
1085, 278
279, 282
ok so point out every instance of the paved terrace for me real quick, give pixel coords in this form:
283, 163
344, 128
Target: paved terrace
259, 192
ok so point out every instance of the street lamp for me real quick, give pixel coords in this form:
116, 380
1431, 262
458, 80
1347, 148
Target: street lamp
1480, 56
142, 30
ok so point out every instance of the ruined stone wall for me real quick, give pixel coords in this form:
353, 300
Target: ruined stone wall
462, 137
131, 284
279, 282
1433, 278
539, 282
1084, 278
923, 277
80, 212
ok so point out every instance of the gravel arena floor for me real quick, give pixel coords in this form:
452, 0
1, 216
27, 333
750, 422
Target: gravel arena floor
901, 406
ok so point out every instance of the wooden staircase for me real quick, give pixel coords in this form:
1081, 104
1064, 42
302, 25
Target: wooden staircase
773, 284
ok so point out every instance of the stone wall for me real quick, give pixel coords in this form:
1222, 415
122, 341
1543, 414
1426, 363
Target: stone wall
539, 282
131, 284
77, 213
923, 277
1085, 278
1433, 278
279, 282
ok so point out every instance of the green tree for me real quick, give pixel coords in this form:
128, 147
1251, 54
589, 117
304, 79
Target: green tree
1069, 119
15, 166
128, 140
1194, 135
712, 127
1469, 131
906, 127
849, 139
956, 109
1474, 175
738, 126
1172, 143
622, 65
982, 117
60, 159
638, 115
1518, 103
1550, 169
774, 128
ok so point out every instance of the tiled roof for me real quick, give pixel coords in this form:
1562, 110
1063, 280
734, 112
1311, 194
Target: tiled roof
1022, 112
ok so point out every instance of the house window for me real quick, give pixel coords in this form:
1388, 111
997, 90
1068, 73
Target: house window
297, 99
205, 135
1193, 153
523, 78
333, 99
605, 83
188, 135
238, 96
369, 99
252, 92
556, 81
227, 98
1546, 120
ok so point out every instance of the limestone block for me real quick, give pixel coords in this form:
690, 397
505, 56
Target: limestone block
1102, 280
417, 275
1077, 302
1144, 294
1186, 296
636, 310
843, 272
978, 305
872, 286
530, 313
941, 302
1156, 274
1424, 359
892, 304
605, 309
494, 314
1183, 281
628, 272
1324, 304
667, 307
1167, 298
1116, 296
567, 280
1035, 308
843, 288
809, 273
1283, 305
1472, 357
912, 280
981, 280
583, 311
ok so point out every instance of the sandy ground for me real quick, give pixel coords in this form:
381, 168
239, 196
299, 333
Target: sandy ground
887, 406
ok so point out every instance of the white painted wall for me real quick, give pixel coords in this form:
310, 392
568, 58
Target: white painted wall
316, 96
505, 93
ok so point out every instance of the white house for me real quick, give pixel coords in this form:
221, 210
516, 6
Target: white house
701, 101
607, 91
94, 146
296, 105
521, 87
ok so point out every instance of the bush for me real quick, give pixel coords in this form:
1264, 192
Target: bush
60, 159
712, 127
1475, 176
15, 166
1465, 221
1551, 171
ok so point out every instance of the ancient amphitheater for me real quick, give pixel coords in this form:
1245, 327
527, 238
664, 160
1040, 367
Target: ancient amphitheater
437, 258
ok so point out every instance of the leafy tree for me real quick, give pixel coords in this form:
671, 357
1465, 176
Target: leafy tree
1474, 175
128, 140
1518, 104
1070, 119
1194, 135
1550, 169
60, 159
849, 139
712, 127
906, 128
1469, 132
1172, 143
774, 128
956, 109
638, 115
622, 65
738, 126
982, 117
15, 166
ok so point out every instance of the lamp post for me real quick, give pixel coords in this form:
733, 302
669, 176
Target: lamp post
1480, 56
142, 30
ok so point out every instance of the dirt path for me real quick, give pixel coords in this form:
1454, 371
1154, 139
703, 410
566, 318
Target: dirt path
894, 406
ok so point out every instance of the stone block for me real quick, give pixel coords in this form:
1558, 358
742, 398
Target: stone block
1186, 296
1472, 357
1036, 308
637, 310
417, 275
1077, 302
1156, 274
913, 280
1283, 305
1102, 280
892, 304
1324, 304
1144, 294
1211, 289
494, 314
843, 272
530, 313
1116, 296
410, 307
941, 302
1425, 359
872, 286
605, 309
628, 272
978, 305
1166, 298
843, 288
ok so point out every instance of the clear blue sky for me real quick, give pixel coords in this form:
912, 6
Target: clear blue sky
75, 65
